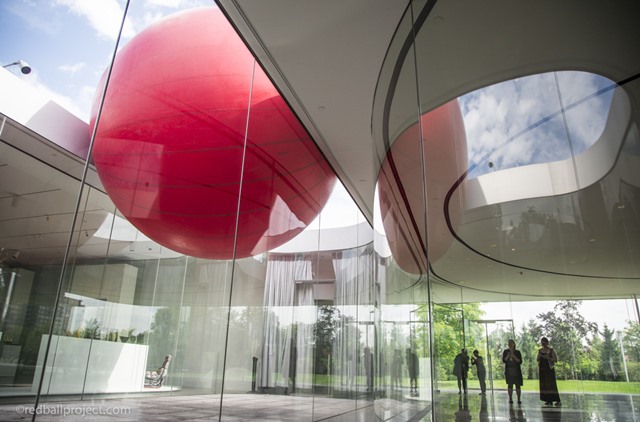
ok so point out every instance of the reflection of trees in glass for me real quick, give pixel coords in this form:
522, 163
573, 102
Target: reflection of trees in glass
544, 229
243, 347
325, 334
163, 338
569, 332
92, 329
531, 227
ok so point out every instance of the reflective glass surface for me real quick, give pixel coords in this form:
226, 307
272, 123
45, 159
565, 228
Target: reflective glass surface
173, 244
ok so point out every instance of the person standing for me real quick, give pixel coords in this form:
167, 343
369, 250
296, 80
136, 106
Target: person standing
368, 369
512, 359
547, 358
413, 365
396, 370
461, 370
478, 361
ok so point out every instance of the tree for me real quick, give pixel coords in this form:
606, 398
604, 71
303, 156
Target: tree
569, 332
163, 338
588, 365
632, 340
528, 340
610, 363
325, 334
449, 333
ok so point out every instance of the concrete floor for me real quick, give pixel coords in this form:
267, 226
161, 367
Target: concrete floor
257, 408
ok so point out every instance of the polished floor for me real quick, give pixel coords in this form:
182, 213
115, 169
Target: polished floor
255, 407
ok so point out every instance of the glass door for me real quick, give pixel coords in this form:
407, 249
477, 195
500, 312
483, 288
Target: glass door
490, 338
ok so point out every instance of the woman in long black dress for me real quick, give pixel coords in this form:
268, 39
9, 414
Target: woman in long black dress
547, 358
512, 359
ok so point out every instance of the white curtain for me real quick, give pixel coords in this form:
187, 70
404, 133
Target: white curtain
281, 316
355, 297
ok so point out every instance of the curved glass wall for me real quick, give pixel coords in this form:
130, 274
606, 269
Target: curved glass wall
512, 215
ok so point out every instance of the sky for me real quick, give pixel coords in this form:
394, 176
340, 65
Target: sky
614, 313
519, 122
70, 43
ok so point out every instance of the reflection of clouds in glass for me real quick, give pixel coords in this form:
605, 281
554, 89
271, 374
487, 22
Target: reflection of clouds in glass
586, 119
105, 16
519, 122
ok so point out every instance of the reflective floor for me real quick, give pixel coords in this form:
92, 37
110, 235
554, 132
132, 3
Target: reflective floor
255, 407
575, 407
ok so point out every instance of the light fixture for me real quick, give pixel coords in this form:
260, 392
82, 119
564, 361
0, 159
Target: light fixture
24, 66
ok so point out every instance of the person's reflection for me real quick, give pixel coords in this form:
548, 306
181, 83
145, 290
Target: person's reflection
516, 414
552, 414
484, 413
463, 415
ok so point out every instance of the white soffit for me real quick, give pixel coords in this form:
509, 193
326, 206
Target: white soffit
325, 57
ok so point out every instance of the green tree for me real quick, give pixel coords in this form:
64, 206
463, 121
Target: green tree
163, 338
631, 339
569, 333
610, 363
590, 361
325, 334
449, 333
528, 340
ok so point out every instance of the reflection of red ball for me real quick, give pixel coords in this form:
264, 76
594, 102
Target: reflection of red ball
402, 192
170, 146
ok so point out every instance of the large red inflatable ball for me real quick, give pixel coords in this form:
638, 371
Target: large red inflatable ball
194, 143
402, 190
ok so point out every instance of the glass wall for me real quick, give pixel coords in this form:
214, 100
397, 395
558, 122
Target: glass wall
205, 249
509, 212
169, 229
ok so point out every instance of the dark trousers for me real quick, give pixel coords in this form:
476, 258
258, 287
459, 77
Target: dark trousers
462, 382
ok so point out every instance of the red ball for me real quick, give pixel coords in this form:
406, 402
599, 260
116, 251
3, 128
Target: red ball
171, 150
402, 191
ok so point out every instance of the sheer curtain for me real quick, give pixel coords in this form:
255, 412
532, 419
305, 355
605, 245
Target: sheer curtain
354, 300
283, 320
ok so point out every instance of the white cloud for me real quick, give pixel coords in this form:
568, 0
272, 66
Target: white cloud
72, 68
518, 122
105, 16
179, 4
166, 3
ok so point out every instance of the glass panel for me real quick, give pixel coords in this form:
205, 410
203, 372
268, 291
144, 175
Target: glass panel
401, 243
37, 215
490, 338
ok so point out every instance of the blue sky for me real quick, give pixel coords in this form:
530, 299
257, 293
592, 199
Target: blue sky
69, 43
503, 121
